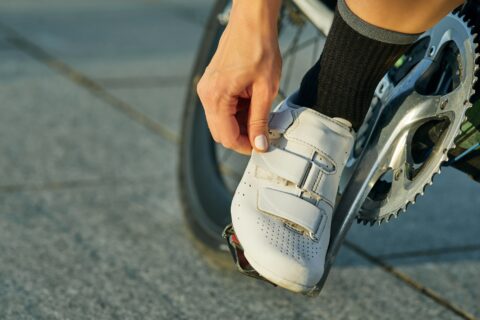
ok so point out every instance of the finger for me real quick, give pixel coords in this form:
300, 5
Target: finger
242, 115
227, 124
204, 96
258, 120
221, 103
211, 120
213, 128
231, 136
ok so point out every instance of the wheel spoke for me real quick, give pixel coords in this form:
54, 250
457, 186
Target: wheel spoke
291, 59
226, 155
302, 45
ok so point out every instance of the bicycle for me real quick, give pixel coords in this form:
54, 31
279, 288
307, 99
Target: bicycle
416, 124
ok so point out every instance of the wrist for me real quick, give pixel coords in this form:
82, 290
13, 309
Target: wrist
260, 16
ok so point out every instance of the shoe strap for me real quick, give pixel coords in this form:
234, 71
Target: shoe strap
293, 209
315, 131
284, 164
304, 173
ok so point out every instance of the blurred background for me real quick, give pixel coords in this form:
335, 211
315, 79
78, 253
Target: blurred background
91, 223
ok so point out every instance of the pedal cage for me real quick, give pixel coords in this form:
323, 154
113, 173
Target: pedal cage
238, 256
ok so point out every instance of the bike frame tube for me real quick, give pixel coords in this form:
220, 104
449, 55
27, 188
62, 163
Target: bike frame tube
318, 13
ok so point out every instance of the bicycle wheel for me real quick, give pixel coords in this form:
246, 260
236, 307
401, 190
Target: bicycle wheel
208, 173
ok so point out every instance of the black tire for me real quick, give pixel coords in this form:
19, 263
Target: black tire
204, 194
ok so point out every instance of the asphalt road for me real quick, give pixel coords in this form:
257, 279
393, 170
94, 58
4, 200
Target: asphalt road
90, 220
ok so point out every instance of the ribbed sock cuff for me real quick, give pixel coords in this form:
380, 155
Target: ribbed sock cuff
342, 82
373, 32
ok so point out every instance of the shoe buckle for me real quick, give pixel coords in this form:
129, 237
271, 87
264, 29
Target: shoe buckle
313, 236
310, 178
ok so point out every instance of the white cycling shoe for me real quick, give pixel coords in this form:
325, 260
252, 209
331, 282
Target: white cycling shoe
282, 208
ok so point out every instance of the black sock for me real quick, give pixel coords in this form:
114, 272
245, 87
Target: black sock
343, 81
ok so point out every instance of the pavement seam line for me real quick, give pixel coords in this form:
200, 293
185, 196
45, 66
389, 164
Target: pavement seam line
90, 85
73, 184
141, 82
429, 293
430, 252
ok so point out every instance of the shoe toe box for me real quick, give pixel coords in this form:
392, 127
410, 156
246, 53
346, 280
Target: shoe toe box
277, 252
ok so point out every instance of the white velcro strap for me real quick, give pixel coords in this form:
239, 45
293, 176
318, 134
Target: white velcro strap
290, 208
326, 136
304, 173
284, 164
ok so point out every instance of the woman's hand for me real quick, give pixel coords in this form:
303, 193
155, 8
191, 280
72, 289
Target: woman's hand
241, 82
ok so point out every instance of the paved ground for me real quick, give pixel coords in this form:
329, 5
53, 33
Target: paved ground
90, 222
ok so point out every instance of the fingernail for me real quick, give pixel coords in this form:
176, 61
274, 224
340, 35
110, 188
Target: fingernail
261, 142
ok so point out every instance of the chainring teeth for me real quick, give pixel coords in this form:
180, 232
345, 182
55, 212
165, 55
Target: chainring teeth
473, 94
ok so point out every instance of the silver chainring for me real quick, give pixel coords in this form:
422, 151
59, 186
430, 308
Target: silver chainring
400, 178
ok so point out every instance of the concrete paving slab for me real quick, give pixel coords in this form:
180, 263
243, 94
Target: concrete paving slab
15, 65
4, 45
54, 270
455, 276
121, 252
49, 5
164, 104
448, 215
55, 131
107, 38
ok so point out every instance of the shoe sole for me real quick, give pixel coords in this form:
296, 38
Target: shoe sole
281, 282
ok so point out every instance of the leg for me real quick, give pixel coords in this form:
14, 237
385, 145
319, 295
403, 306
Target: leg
365, 40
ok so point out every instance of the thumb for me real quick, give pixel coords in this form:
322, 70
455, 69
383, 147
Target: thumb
258, 120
